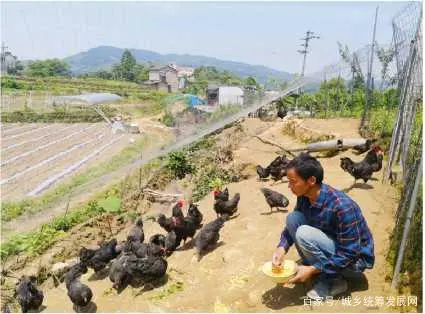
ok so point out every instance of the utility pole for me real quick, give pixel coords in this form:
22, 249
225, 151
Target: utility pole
369, 77
309, 35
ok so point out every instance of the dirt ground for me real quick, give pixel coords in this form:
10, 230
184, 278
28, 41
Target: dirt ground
229, 278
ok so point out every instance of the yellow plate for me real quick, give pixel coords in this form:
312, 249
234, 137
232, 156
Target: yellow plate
288, 270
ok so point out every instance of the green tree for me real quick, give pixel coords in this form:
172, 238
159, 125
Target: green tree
385, 56
128, 66
48, 67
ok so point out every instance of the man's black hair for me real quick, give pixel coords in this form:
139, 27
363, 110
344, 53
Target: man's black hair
307, 166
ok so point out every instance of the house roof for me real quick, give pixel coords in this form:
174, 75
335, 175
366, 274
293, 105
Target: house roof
163, 68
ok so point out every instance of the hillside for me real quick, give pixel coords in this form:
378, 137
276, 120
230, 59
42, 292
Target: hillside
104, 56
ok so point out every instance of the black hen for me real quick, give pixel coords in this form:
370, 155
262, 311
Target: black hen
277, 161
171, 242
146, 269
145, 249
29, 296
274, 199
194, 212
208, 236
118, 273
277, 173
227, 208
282, 112
263, 173
169, 224
221, 195
98, 259
360, 149
79, 293
364, 169
136, 233
158, 239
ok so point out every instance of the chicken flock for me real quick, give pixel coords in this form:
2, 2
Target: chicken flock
136, 260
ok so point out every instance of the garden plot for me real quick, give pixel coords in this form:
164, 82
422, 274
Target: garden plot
49, 153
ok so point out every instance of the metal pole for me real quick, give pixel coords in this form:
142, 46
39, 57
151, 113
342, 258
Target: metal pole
369, 74
407, 225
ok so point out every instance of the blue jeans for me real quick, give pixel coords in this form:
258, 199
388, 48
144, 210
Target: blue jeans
313, 245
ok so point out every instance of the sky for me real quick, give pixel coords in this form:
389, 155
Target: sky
264, 33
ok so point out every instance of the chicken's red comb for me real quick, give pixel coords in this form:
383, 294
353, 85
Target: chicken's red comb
180, 203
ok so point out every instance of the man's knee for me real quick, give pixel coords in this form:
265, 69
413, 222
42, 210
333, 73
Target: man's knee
304, 234
294, 220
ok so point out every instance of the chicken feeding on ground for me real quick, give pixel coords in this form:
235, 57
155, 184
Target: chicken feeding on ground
171, 242
209, 235
98, 259
158, 239
79, 293
274, 199
29, 296
221, 195
146, 269
136, 233
227, 207
365, 168
362, 148
117, 273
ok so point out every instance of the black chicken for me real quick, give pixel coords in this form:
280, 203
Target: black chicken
136, 233
208, 236
177, 210
117, 273
360, 149
171, 242
221, 195
145, 249
146, 269
29, 296
282, 112
169, 224
194, 212
263, 173
79, 293
158, 239
98, 259
277, 161
227, 208
274, 199
277, 173
365, 168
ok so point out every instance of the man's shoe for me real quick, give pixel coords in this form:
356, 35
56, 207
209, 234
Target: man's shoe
327, 287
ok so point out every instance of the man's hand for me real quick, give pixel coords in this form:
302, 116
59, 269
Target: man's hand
278, 256
304, 273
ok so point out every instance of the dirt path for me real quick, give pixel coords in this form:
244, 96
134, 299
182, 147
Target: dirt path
229, 279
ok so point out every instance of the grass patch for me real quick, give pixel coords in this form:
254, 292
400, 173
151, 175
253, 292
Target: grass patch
172, 289
38, 241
